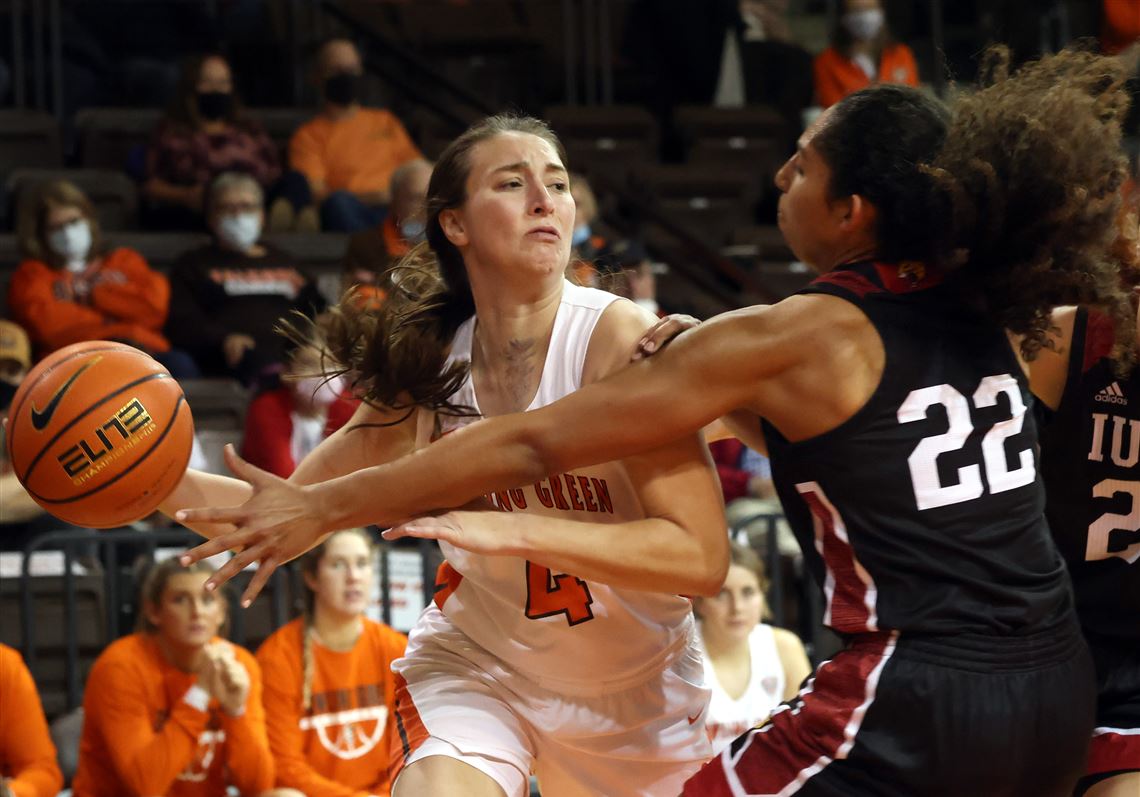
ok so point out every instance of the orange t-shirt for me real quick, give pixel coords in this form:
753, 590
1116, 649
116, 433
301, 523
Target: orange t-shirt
357, 153
836, 76
341, 746
119, 296
1121, 25
141, 737
27, 754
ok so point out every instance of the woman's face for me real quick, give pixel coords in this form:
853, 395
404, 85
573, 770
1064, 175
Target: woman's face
519, 215
215, 76
736, 610
187, 614
59, 216
807, 217
342, 583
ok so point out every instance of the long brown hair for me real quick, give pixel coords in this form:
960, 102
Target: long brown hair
396, 355
31, 221
1027, 189
309, 564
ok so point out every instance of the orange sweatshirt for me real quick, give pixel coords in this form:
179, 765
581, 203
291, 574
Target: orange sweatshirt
836, 76
341, 746
27, 755
141, 737
355, 154
119, 296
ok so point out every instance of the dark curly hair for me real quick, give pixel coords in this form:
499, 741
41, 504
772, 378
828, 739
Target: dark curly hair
396, 355
1027, 193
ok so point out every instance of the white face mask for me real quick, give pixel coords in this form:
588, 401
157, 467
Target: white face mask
72, 242
240, 231
864, 25
317, 390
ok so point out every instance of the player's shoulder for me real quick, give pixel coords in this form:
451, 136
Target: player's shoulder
786, 640
612, 344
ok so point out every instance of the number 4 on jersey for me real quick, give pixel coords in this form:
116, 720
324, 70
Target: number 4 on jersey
548, 595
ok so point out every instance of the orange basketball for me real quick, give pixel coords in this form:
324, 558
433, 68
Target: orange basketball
99, 434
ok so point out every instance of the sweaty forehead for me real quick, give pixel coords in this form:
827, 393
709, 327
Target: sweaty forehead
507, 149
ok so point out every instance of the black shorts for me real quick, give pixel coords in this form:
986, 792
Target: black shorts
1115, 745
950, 716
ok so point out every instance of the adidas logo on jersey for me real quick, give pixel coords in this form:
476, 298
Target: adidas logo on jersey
1112, 395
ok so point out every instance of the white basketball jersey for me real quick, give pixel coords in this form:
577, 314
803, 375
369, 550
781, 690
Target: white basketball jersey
566, 634
728, 718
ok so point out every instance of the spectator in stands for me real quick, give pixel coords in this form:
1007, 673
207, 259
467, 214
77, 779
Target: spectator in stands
625, 269
229, 294
348, 153
173, 709
28, 765
204, 133
287, 422
776, 69
370, 252
750, 667
862, 53
1120, 28
73, 287
18, 512
743, 472
329, 694
588, 239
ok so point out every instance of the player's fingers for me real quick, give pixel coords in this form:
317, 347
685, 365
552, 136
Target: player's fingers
231, 568
264, 570
662, 332
243, 470
223, 542
210, 514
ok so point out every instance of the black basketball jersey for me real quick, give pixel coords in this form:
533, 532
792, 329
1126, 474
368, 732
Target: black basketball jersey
924, 512
1090, 456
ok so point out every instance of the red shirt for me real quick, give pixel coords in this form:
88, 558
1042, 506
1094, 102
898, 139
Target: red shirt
268, 440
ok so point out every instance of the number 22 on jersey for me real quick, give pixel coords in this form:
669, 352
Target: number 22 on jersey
548, 595
929, 492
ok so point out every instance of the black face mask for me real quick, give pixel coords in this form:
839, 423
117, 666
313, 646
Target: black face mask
7, 393
215, 105
342, 88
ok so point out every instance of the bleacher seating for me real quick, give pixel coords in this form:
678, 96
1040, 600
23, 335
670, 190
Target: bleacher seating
709, 202
29, 139
108, 137
608, 139
218, 407
113, 193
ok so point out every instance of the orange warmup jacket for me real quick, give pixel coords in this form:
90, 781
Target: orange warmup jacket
356, 154
128, 301
27, 755
341, 746
837, 76
141, 737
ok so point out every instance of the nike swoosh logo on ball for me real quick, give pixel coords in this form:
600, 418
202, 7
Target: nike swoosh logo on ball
41, 418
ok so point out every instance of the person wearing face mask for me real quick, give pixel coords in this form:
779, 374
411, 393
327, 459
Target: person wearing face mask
370, 252
862, 53
73, 287
329, 690
284, 424
229, 294
204, 133
17, 509
348, 153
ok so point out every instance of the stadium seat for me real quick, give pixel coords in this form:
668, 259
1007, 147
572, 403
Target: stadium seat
50, 633
709, 202
216, 403
113, 193
767, 240
281, 123
605, 138
29, 139
111, 138
160, 249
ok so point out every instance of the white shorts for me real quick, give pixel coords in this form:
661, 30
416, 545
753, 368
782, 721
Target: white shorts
455, 699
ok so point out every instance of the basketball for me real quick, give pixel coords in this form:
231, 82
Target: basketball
99, 433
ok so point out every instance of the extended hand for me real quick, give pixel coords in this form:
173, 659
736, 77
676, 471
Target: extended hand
662, 332
278, 523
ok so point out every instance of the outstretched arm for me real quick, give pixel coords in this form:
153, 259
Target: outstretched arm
723, 365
